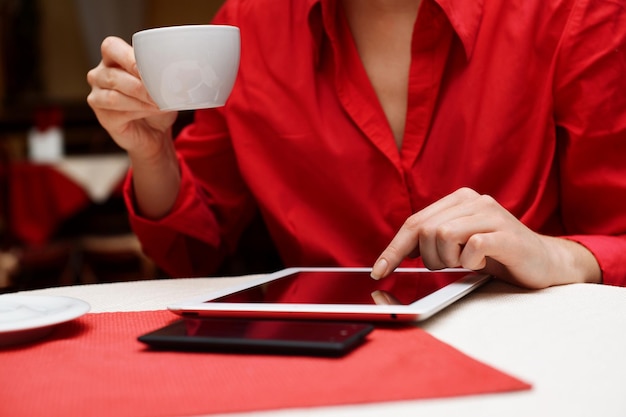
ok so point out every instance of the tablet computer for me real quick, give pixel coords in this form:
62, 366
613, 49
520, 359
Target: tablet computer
408, 294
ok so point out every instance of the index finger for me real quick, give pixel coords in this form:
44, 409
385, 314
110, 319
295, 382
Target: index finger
116, 52
403, 244
406, 241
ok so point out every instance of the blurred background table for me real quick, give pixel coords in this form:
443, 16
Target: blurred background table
567, 341
41, 196
66, 223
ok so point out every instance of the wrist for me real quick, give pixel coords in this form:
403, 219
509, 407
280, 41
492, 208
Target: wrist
156, 180
154, 150
571, 262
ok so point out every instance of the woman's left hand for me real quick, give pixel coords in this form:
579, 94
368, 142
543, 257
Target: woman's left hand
469, 230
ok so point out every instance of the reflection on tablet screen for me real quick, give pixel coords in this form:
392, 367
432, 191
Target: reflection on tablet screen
325, 287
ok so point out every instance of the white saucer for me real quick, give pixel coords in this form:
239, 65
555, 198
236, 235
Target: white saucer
24, 318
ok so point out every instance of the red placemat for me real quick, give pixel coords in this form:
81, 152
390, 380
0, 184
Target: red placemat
94, 366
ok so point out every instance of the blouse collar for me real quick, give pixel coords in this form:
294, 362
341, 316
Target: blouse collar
464, 17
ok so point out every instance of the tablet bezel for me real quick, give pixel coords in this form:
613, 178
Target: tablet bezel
417, 311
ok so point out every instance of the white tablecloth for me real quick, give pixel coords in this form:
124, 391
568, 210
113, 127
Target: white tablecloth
569, 342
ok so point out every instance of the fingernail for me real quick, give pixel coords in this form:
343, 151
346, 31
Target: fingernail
379, 269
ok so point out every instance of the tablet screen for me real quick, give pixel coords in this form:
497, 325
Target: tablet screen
346, 287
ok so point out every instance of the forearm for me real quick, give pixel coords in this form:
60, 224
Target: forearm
156, 181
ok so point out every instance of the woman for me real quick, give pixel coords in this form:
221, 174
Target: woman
488, 134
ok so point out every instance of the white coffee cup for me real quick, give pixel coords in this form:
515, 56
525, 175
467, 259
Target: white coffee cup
188, 67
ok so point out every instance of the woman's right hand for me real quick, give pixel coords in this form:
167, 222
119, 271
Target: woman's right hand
126, 111
123, 106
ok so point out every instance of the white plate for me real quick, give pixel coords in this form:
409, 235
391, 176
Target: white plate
24, 318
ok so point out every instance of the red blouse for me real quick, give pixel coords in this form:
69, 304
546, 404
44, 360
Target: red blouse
521, 100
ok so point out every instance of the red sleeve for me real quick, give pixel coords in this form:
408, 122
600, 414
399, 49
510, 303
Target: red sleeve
212, 209
590, 110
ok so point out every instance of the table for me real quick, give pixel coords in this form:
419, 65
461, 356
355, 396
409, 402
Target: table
98, 175
42, 196
569, 342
